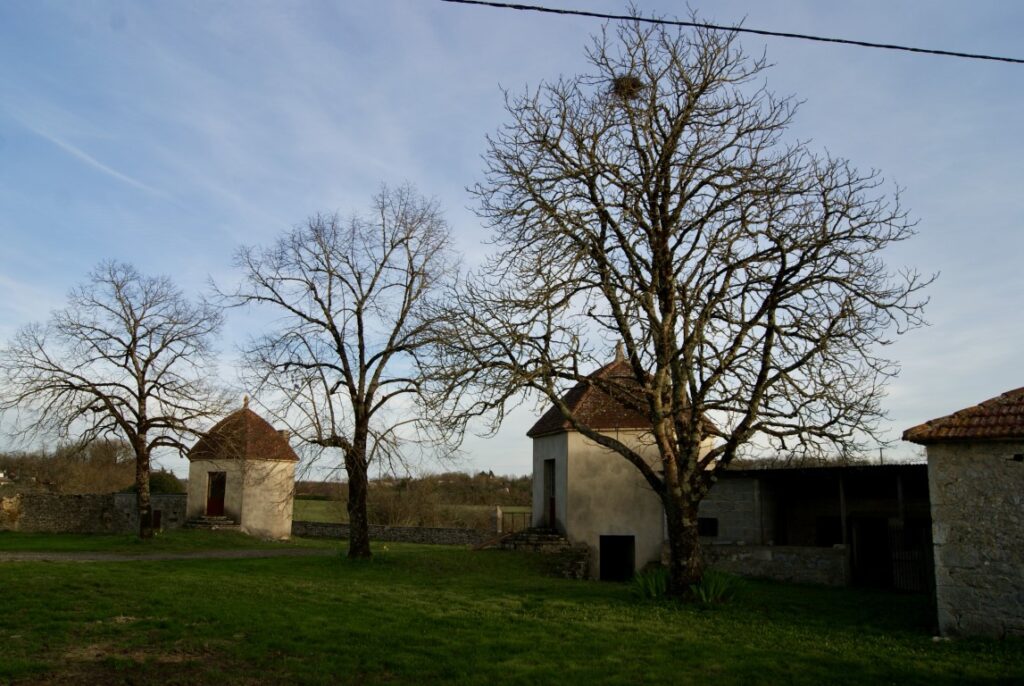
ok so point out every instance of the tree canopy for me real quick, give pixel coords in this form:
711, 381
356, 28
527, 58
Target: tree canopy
659, 202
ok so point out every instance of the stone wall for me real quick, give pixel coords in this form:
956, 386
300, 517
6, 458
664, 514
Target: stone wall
87, 514
977, 501
793, 564
396, 534
171, 507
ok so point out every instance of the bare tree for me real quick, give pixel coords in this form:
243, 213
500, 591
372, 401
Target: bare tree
342, 363
656, 203
129, 357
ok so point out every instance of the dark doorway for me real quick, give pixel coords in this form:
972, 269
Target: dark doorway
549, 495
618, 558
215, 494
872, 562
157, 524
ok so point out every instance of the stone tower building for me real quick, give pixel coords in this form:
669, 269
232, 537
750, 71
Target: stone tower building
244, 470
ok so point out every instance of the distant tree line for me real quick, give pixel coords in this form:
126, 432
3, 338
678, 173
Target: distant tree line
105, 466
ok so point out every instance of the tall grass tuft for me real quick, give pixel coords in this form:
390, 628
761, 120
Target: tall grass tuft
715, 588
650, 584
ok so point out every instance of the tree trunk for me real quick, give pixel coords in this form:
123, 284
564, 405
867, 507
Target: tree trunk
358, 487
142, 502
685, 563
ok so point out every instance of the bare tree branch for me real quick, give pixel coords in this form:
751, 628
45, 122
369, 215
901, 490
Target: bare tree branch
341, 367
658, 202
129, 356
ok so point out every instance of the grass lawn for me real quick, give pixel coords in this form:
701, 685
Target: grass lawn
333, 511
330, 511
431, 614
176, 541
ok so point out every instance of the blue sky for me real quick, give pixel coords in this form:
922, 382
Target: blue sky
166, 134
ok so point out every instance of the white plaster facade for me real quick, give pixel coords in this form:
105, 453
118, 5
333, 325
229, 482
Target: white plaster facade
244, 470
598, 493
258, 494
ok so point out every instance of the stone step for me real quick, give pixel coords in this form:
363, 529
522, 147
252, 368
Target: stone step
218, 523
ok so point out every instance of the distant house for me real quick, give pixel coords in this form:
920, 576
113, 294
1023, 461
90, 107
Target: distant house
976, 484
243, 472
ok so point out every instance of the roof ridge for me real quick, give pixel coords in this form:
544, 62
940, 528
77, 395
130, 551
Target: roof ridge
1000, 417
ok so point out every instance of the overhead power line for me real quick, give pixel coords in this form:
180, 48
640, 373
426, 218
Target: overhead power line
736, 29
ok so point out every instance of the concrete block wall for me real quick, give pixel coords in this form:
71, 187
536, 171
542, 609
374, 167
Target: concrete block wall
736, 504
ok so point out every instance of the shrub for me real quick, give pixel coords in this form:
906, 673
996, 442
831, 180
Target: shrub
165, 482
715, 588
650, 584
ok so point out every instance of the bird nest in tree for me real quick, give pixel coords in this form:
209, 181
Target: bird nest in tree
627, 87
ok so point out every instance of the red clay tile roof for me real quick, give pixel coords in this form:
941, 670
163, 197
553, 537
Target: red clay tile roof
594, 407
243, 434
1001, 417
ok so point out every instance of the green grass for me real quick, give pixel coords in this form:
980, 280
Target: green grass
177, 541
331, 511
431, 614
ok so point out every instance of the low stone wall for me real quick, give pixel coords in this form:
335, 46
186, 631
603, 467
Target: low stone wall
108, 513
794, 564
396, 534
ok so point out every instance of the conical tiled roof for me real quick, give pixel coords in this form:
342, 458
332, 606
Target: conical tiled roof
595, 408
999, 418
243, 435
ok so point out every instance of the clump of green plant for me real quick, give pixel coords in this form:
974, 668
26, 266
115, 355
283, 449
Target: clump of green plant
650, 584
715, 588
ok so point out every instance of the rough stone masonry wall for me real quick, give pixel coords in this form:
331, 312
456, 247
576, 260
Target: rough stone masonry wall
793, 564
87, 514
396, 534
977, 501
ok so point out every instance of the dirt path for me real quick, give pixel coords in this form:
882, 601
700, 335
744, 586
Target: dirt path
148, 557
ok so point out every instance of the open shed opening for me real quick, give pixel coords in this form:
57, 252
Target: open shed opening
618, 557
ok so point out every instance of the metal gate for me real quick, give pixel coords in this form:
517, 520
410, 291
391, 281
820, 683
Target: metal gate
910, 548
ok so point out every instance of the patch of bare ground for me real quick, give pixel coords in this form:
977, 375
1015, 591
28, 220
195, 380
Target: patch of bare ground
110, 664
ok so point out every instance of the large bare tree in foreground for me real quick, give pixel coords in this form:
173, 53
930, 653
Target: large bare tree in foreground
655, 202
341, 363
129, 357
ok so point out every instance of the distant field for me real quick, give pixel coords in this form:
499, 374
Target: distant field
331, 511
445, 615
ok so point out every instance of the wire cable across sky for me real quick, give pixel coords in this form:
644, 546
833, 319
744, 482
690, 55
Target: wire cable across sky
736, 29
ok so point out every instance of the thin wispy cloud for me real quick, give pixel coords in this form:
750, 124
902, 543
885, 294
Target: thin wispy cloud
88, 159
243, 118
